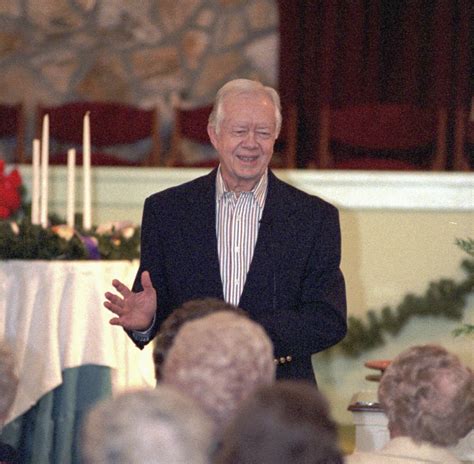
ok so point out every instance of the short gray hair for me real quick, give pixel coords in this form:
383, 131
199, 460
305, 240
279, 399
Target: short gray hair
219, 360
245, 87
8, 380
428, 395
149, 427
190, 310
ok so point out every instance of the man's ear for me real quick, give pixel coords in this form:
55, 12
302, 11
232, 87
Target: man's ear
211, 131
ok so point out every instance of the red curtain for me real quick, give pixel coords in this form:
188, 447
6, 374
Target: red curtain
338, 52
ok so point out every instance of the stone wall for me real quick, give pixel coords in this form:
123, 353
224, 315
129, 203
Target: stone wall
135, 51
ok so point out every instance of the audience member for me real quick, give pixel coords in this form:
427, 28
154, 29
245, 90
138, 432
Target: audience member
285, 423
428, 397
219, 360
159, 426
193, 309
8, 388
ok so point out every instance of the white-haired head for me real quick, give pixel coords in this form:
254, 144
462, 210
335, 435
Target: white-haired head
219, 360
160, 426
243, 87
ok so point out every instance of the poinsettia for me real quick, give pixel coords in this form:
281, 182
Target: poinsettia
10, 191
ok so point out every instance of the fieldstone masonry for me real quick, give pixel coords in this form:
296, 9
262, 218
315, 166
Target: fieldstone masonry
134, 51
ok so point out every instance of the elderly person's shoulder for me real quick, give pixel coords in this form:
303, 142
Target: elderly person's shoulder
403, 450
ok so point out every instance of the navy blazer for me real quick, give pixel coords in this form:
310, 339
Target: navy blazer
294, 286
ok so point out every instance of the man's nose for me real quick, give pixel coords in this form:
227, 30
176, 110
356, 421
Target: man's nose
250, 139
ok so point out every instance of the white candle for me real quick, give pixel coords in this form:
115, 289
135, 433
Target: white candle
44, 172
71, 177
35, 191
86, 157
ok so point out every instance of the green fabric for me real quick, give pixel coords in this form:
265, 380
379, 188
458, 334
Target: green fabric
49, 432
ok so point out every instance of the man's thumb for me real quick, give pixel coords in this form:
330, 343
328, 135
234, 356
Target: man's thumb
146, 280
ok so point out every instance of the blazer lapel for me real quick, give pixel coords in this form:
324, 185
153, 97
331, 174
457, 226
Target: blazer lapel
260, 290
198, 228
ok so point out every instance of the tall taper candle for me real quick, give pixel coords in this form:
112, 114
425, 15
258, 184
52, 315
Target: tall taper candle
71, 178
86, 157
35, 190
44, 172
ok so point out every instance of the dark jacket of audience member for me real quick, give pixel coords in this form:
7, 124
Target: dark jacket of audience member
160, 426
285, 423
219, 360
193, 309
8, 389
428, 397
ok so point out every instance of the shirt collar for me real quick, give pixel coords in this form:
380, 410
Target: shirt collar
259, 191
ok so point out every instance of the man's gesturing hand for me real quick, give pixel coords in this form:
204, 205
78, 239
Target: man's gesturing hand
134, 311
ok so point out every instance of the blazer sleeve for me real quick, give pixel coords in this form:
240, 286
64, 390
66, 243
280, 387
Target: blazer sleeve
150, 260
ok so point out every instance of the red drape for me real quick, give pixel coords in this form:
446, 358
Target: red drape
339, 52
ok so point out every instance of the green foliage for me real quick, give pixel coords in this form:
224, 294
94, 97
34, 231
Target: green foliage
27, 241
466, 245
444, 298
465, 329
113, 247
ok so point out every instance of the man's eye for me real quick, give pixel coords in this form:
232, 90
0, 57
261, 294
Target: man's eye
239, 132
265, 135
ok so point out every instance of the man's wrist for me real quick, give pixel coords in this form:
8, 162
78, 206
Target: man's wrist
144, 335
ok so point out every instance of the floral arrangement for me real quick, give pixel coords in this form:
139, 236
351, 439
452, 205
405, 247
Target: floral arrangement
20, 239
10, 192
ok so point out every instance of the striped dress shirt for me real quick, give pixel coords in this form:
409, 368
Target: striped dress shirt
237, 223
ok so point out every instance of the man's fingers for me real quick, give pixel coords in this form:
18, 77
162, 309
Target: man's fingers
116, 309
121, 288
115, 321
146, 280
114, 299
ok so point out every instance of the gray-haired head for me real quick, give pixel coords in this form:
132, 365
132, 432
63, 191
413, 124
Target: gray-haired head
428, 395
190, 310
244, 87
219, 360
160, 426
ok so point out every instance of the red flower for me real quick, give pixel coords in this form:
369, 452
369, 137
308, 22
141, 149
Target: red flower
10, 198
4, 212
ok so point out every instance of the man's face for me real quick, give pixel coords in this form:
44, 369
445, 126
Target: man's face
245, 139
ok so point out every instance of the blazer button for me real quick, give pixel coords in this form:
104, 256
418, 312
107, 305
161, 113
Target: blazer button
289, 359
282, 360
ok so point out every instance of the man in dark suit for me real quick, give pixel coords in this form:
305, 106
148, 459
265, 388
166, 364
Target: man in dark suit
242, 235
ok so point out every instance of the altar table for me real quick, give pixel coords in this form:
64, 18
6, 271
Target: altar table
51, 313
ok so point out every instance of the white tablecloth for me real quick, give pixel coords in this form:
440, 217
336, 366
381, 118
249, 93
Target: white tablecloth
52, 315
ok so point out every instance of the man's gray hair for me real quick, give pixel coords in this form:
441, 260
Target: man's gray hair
219, 360
160, 426
244, 87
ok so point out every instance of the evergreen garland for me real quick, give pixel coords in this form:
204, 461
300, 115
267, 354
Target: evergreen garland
468, 247
25, 241
444, 298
